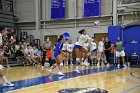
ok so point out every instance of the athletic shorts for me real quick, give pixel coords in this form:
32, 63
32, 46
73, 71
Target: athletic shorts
77, 46
64, 50
94, 50
69, 52
56, 54
120, 54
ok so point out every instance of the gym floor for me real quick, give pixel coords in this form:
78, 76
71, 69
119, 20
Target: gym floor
29, 79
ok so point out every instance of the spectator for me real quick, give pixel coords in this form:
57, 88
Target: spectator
107, 50
0, 39
101, 52
20, 55
47, 46
39, 55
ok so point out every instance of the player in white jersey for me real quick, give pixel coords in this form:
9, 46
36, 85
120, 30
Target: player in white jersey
83, 55
64, 49
70, 47
79, 48
101, 52
93, 49
2, 75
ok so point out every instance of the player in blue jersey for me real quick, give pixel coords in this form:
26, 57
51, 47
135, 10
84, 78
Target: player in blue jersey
58, 55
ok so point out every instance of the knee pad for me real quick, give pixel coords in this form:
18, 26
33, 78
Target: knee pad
71, 59
61, 64
1, 67
55, 64
77, 59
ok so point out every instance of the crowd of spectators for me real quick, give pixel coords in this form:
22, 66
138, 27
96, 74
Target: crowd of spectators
21, 50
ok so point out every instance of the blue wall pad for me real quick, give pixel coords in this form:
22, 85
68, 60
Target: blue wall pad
114, 32
131, 36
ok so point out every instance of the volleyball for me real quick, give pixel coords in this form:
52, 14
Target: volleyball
67, 36
97, 23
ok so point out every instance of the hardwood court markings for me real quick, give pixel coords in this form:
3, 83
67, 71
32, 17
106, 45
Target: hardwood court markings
45, 79
135, 87
109, 80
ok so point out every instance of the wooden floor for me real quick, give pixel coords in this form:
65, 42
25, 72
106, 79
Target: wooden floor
115, 81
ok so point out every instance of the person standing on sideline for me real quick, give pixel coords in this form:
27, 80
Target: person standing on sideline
119, 47
107, 50
101, 52
93, 49
47, 46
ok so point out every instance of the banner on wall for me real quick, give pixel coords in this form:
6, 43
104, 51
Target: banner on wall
58, 9
92, 8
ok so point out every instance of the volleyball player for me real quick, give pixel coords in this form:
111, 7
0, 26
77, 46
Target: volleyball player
101, 52
83, 55
4, 79
93, 48
64, 49
70, 47
58, 54
79, 48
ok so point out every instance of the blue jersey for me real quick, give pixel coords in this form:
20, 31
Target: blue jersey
59, 46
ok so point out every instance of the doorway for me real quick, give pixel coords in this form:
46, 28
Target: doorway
99, 36
53, 39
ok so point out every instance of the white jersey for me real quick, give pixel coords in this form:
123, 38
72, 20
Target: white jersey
31, 52
82, 40
70, 47
26, 51
86, 46
101, 46
93, 46
64, 48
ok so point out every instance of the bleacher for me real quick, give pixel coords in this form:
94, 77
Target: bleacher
13, 61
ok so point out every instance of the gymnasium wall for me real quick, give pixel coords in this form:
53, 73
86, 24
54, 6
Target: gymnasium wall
72, 31
28, 13
130, 36
26, 16
25, 10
